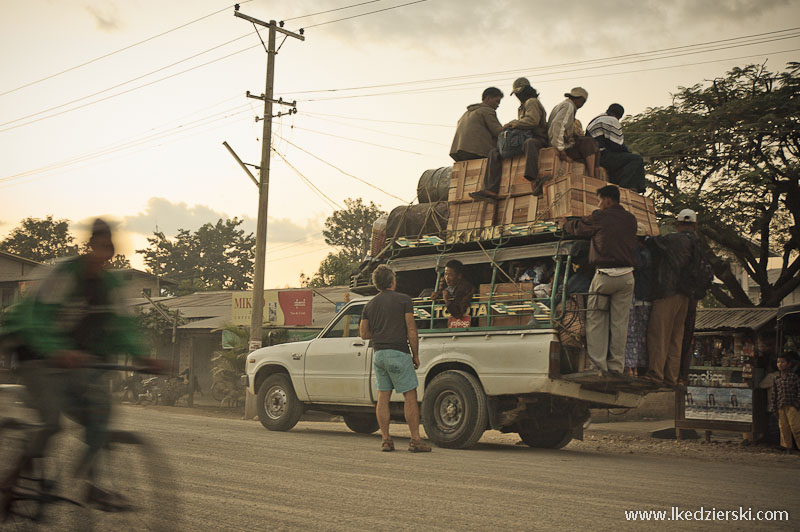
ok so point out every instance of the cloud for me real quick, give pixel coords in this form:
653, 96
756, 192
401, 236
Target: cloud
106, 16
170, 216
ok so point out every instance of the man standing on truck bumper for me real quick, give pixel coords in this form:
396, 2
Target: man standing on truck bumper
388, 321
613, 253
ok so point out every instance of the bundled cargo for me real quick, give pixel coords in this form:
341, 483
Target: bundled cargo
434, 185
471, 215
378, 240
520, 210
576, 195
417, 220
467, 177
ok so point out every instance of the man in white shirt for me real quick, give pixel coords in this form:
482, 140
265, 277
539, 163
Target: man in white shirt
561, 131
625, 169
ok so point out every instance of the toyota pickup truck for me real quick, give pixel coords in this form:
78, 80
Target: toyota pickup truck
509, 370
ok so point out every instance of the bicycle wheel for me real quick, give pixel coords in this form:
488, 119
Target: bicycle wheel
144, 494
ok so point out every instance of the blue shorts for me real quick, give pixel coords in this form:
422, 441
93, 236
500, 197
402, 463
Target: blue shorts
394, 370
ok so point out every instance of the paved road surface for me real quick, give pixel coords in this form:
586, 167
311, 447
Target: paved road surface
235, 475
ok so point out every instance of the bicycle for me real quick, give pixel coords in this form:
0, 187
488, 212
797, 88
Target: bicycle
48, 496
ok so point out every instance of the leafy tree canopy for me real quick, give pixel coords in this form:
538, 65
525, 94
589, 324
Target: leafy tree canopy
350, 230
215, 257
729, 150
42, 240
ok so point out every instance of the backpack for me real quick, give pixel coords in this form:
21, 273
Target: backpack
699, 274
510, 141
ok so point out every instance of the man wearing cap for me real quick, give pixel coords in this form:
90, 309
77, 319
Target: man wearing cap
625, 169
478, 127
561, 131
613, 253
673, 254
532, 120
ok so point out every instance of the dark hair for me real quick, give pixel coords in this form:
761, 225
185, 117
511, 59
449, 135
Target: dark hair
789, 356
609, 191
491, 92
456, 265
616, 109
527, 92
100, 228
382, 277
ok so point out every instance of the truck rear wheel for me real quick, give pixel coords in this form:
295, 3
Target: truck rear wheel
278, 406
454, 411
550, 439
361, 423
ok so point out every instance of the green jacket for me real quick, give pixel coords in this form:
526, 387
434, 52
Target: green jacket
59, 314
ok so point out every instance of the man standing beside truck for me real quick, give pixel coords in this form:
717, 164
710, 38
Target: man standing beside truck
613, 253
388, 321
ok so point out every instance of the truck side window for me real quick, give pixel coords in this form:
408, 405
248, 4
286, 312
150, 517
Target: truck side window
347, 324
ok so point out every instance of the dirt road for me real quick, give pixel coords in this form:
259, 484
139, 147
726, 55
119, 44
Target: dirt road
235, 475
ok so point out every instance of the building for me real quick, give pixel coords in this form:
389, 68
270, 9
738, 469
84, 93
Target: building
138, 282
16, 275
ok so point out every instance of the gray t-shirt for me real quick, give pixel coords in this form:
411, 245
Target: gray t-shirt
387, 321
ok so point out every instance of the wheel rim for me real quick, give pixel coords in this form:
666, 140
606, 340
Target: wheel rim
275, 402
448, 411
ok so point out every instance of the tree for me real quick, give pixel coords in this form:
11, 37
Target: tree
729, 150
119, 262
349, 229
42, 240
215, 257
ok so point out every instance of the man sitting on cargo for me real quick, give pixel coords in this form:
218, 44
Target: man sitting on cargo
477, 130
530, 125
458, 292
561, 131
625, 169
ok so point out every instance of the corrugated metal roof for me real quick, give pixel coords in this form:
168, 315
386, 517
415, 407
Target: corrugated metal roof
710, 319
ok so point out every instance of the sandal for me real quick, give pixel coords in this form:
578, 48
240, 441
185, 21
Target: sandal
387, 445
418, 446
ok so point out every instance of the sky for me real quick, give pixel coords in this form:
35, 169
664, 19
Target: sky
92, 123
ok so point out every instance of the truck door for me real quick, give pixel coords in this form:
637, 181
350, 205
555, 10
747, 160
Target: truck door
336, 363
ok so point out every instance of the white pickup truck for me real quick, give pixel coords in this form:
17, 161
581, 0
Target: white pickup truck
470, 381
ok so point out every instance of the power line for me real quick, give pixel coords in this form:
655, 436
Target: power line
125, 91
308, 182
449, 126
569, 64
474, 83
339, 169
365, 14
330, 10
310, 115
70, 69
359, 141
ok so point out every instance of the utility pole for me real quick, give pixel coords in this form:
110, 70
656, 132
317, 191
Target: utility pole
257, 318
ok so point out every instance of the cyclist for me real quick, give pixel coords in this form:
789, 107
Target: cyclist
73, 318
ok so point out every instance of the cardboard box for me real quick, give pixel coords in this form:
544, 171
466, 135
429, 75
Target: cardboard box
471, 215
520, 210
467, 177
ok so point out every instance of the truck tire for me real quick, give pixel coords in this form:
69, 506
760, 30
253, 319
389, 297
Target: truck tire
454, 411
277, 404
361, 423
551, 439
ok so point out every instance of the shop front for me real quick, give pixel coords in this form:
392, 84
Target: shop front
731, 353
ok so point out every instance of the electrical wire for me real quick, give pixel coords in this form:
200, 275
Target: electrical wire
330, 10
361, 141
308, 182
365, 14
569, 64
309, 115
70, 69
339, 169
449, 126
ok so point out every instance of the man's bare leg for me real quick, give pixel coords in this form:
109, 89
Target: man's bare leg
382, 412
412, 413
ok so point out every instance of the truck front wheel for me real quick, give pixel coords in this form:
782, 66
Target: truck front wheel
277, 404
454, 411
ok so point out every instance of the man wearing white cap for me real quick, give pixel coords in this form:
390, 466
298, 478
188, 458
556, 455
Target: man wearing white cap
675, 282
561, 131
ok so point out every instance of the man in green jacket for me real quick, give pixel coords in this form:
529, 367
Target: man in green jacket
477, 130
73, 318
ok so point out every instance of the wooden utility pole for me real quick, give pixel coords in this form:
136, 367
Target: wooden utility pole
257, 318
